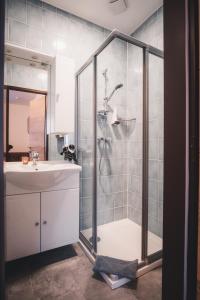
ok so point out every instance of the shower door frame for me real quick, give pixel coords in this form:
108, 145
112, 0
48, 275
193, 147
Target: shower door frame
147, 49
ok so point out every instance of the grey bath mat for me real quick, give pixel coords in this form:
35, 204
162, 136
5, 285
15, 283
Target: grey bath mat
110, 265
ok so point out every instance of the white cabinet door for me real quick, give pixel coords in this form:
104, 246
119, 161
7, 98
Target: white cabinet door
63, 86
59, 218
22, 225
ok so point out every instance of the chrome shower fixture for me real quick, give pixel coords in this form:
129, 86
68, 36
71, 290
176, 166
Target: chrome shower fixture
118, 86
108, 98
106, 81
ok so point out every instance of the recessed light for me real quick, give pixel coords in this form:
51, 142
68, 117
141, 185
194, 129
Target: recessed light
32, 64
117, 6
8, 51
34, 57
8, 59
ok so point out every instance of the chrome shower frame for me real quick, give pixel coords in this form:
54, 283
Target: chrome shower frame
147, 49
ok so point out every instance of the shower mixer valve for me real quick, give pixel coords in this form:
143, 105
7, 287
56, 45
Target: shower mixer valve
106, 140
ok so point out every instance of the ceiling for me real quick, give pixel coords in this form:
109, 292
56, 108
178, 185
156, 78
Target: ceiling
102, 13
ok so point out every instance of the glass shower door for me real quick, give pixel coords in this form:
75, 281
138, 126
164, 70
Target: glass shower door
155, 155
85, 147
119, 150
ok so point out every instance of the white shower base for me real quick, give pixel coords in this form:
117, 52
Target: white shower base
122, 239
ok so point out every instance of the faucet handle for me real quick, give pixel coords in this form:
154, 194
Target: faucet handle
34, 155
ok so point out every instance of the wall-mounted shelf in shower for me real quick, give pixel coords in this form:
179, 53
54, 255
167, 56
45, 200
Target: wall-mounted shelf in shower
127, 120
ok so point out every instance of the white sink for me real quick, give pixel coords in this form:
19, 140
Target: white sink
45, 176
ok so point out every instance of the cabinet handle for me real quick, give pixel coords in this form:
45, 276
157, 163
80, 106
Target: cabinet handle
44, 222
37, 223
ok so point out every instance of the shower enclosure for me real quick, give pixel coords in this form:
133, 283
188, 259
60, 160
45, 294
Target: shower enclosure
119, 137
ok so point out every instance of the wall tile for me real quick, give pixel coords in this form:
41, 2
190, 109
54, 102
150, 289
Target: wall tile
6, 30
35, 2
153, 189
18, 33
49, 7
108, 216
87, 186
160, 192
154, 169
17, 10
134, 215
135, 201
161, 149
34, 39
87, 170
34, 16
135, 184
105, 201
154, 148
85, 222
50, 20
49, 43
119, 213
86, 205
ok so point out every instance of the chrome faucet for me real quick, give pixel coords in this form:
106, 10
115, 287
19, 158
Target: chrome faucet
34, 155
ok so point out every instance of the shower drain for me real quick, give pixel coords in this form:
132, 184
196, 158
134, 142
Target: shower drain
91, 239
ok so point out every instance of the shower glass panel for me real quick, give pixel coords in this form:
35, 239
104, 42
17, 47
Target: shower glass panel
119, 150
85, 142
155, 161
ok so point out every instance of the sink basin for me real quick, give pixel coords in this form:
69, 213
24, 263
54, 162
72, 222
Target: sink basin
45, 176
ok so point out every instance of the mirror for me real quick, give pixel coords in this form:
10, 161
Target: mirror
25, 117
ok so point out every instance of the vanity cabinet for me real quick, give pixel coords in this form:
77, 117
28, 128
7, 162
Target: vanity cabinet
59, 218
42, 207
41, 221
22, 225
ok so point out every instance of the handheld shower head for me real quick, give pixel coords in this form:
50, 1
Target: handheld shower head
118, 86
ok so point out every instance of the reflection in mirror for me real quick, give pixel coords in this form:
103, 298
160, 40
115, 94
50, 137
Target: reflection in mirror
25, 124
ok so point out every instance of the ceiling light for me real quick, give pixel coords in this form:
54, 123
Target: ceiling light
60, 45
117, 6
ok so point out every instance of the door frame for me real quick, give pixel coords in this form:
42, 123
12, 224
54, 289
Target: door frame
181, 94
2, 235
9, 88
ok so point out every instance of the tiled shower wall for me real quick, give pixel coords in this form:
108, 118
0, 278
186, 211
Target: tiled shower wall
111, 157
112, 176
